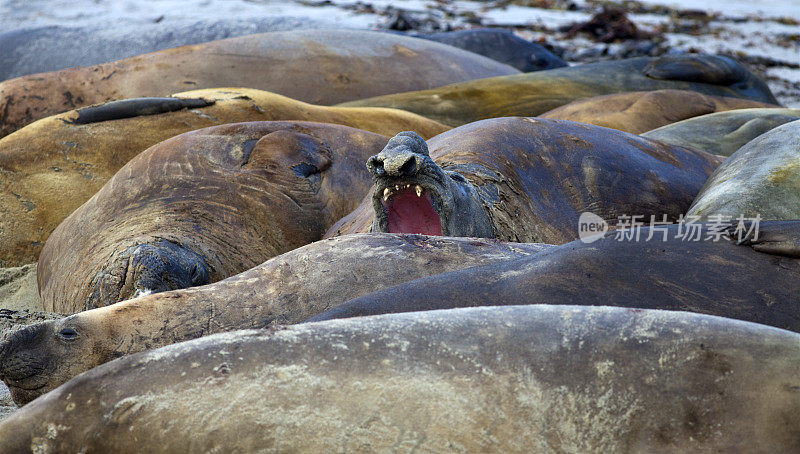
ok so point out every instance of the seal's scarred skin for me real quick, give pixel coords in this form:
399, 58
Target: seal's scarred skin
49, 168
286, 289
317, 66
203, 206
525, 180
641, 111
754, 281
535, 93
761, 179
501, 379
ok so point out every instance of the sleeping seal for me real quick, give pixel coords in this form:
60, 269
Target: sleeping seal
641, 111
761, 179
49, 168
500, 45
316, 66
723, 133
509, 379
673, 267
534, 93
288, 288
203, 206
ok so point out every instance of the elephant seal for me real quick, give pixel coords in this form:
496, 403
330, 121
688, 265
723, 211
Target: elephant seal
326, 67
33, 50
203, 206
500, 379
500, 45
535, 93
705, 276
641, 111
286, 289
761, 179
49, 168
524, 180
723, 133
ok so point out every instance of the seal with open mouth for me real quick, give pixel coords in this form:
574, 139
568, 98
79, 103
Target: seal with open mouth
524, 180
414, 195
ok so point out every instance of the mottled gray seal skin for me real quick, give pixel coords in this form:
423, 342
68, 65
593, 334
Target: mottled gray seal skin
512, 379
286, 289
710, 277
533, 178
40, 49
761, 179
500, 45
723, 133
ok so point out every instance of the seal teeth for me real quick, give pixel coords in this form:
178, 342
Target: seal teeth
386, 193
418, 190
397, 187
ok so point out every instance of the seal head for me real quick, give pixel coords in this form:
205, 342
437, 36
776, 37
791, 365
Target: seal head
414, 195
31, 357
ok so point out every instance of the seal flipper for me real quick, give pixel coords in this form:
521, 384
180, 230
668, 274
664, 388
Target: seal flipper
770, 237
709, 69
135, 107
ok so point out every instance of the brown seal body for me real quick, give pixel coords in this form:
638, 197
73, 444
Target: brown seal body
49, 168
529, 179
203, 206
509, 379
535, 93
316, 66
286, 289
641, 111
706, 276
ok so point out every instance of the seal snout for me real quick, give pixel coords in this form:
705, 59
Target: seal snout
23, 366
396, 165
16, 346
150, 268
402, 157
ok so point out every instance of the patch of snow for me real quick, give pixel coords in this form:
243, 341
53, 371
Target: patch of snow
732, 8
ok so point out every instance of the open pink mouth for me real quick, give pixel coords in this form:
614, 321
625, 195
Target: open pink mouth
411, 213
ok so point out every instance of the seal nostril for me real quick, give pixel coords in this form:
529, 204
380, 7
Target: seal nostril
375, 165
409, 167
